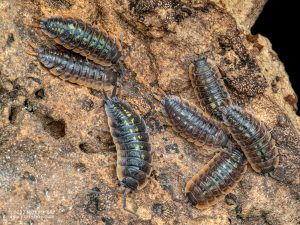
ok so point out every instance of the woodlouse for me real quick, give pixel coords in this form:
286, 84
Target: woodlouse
74, 68
134, 155
81, 38
187, 121
209, 86
253, 137
216, 179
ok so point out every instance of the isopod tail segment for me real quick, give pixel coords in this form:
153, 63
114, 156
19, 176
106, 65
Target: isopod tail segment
31, 50
253, 137
121, 69
113, 95
216, 179
121, 63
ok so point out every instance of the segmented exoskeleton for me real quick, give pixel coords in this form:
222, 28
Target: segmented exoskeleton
253, 137
192, 124
74, 68
209, 87
82, 38
130, 136
216, 179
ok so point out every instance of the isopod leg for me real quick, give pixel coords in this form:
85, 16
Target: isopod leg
36, 25
31, 49
136, 216
98, 129
114, 92
30, 52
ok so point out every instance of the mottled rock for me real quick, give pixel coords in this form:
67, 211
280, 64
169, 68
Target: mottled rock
56, 168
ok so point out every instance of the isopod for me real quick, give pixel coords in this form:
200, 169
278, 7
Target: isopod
130, 136
216, 179
187, 121
81, 38
209, 87
74, 68
253, 137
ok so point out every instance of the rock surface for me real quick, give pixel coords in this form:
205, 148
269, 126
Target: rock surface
56, 169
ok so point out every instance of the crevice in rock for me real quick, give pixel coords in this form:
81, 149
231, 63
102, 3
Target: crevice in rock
13, 114
56, 128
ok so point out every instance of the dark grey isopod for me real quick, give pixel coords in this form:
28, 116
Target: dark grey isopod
131, 138
254, 139
81, 38
209, 87
187, 121
74, 68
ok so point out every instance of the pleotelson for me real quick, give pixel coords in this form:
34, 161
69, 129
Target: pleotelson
209, 87
74, 68
216, 179
81, 38
254, 139
187, 121
130, 136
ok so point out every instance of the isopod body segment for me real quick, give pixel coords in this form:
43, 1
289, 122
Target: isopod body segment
187, 121
130, 136
253, 137
74, 68
216, 179
82, 38
209, 87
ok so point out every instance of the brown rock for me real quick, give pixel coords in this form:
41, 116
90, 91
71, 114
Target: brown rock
54, 171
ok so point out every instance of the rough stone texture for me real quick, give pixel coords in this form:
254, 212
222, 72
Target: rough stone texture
55, 169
